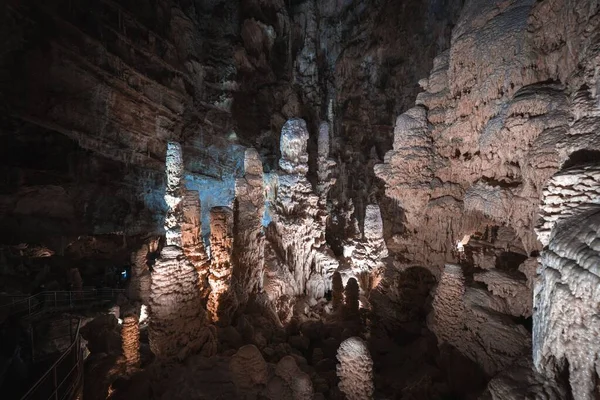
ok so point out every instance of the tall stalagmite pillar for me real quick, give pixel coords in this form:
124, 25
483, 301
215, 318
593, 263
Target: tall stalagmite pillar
130, 341
221, 301
176, 313
191, 238
249, 249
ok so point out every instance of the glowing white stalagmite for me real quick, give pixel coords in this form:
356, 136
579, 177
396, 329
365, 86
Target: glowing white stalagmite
364, 254
221, 301
249, 250
298, 229
177, 318
355, 369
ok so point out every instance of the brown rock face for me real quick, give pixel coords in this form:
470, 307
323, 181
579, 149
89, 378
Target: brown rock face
130, 341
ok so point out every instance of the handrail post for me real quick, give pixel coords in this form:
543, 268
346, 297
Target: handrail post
55, 383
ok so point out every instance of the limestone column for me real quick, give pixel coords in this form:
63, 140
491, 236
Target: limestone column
191, 237
221, 301
176, 313
130, 341
249, 249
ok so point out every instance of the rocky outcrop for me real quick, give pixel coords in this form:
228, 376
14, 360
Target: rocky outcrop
249, 370
191, 235
222, 301
355, 369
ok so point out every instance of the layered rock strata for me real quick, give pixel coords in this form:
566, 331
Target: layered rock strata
130, 341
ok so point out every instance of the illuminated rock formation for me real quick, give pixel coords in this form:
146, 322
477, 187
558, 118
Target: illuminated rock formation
337, 289
139, 285
364, 254
222, 300
325, 165
176, 313
130, 341
174, 194
297, 230
566, 330
355, 369
474, 325
249, 250
191, 239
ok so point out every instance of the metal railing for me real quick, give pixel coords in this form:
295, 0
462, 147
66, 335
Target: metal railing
64, 379
30, 306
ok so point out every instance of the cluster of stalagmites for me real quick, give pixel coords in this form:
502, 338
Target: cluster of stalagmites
297, 232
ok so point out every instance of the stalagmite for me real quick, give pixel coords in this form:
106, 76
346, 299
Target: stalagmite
363, 255
249, 251
351, 295
222, 299
130, 341
249, 370
297, 231
176, 313
337, 295
472, 326
325, 165
174, 194
355, 369
139, 285
191, 238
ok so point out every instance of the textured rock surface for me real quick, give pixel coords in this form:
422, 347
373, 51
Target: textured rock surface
248, 369
355, 369
249, 250
470, 323
221, 301
565, 323
297, 231
130, 341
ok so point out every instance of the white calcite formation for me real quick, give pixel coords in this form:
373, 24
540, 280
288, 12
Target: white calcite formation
364, 255
222, 300
139, 285
174, 194
177, 318
130, 341
474, 323
566, 327
249, 237
297, 231
355, 369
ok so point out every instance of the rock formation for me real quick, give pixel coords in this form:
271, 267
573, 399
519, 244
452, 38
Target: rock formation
351, 295
249, 370
566, 328
471, 320
130, 341
249, 250
337, 291
355, 369
191, 238
222, 300
296, 232
176, 313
